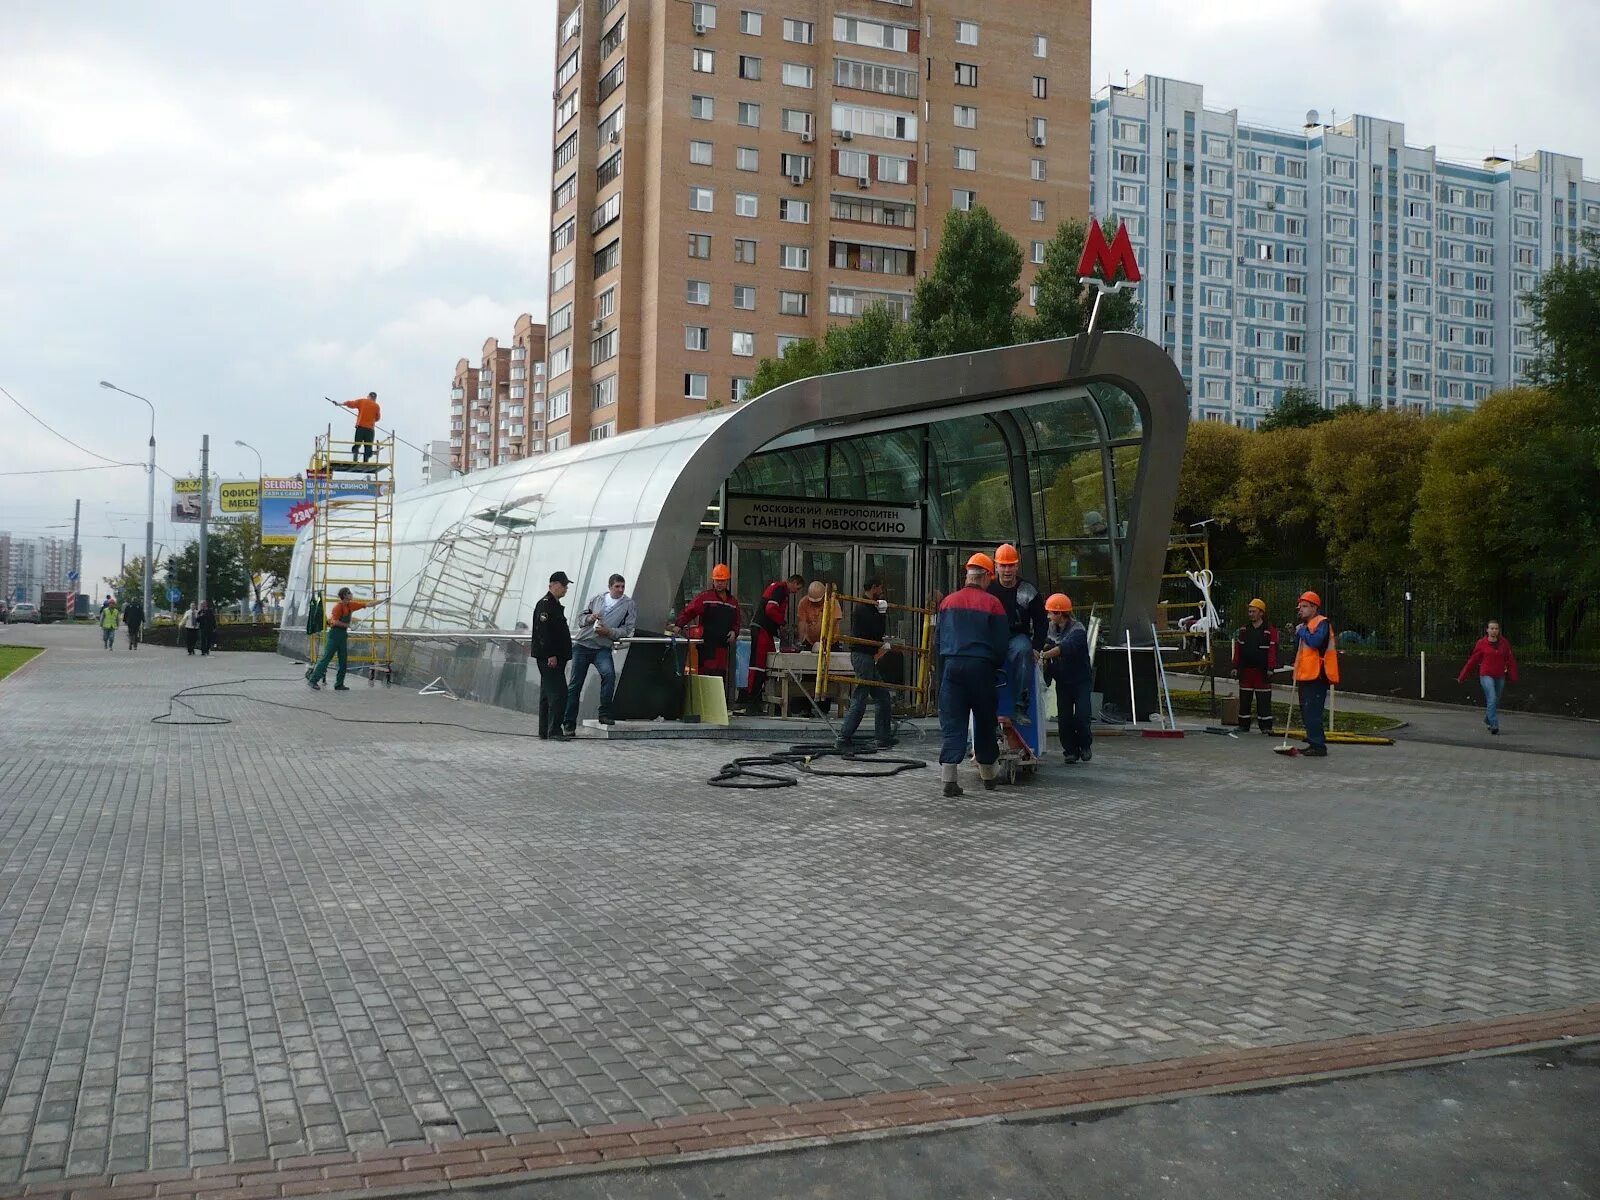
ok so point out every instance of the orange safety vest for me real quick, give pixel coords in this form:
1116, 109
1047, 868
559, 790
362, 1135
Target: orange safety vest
1311, 665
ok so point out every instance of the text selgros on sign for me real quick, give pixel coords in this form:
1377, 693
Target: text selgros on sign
823, 518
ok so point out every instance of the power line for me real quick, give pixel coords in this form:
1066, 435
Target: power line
71, 470
112, 462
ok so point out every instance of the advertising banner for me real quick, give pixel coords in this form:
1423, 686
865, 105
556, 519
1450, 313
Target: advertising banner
288, 504
186, 500
238, 497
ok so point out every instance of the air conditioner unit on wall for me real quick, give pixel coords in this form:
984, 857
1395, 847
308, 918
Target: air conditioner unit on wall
864, 182
597, 324
797, 180
699, 30
807, 136
847, 135
1038, 141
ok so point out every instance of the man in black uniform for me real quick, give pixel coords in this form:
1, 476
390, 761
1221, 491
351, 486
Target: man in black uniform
1028, 625
552, 650
869, 623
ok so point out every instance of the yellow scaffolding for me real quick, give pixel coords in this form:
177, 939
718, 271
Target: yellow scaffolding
1187, 553
920, 692
353, 540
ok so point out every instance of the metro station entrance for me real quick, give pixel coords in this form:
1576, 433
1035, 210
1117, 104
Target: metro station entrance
844, 565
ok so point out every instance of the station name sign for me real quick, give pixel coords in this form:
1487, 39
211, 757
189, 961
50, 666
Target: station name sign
823, 518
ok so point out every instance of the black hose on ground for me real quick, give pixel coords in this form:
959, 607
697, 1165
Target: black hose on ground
803, 758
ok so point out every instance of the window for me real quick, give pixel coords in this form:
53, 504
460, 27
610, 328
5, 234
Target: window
560, 361
606, 212
566, 152
701, 199
746, 204
796, 211
1036, 169
796, 120
601, 432
874, 77
966, 159
795, 258
963, 198
560, 320
704, 15
894, 170
883, 260
966, 74
565, 191
744, 344
1041, 88
569, 27
607, 257
564, 234
749, 114
740, 389
610, 127
700, 153
612, 38
704, 61
855, 162
1037, 130
605, 173
568, 68
747, 158
603, 348
749, 67
1041, 45
560, 441
696, 337
797, 75
750, 22
694, 386
796, 166
793, 304
785, 340
702, 108
699, 245
861, 32
697, 291
561, 275
744, 250
967, 33
803, 32
1037, 210
560, 403
966, 116
609, 82
568, 108
1037, 254
744, 296
874, 122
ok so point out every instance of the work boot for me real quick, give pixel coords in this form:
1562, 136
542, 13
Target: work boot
606, 718
1315, 752
1244, 725
313, 685
569, 731
947, 776
988, 773
339, 687
953, 789
1085, 754
1266, 728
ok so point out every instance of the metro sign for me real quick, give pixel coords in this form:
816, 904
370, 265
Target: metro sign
1112, 260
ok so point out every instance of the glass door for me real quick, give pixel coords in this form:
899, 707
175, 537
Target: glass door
828, 562
896, 569
754, 565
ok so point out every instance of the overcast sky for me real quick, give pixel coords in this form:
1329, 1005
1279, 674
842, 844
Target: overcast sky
236, 209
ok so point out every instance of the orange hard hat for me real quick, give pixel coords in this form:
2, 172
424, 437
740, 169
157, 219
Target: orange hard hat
1310, 598
982, 562
1006, 555
1060, 602
720, 573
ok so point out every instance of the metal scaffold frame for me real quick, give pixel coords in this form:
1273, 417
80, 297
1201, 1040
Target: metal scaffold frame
919, 695
353, 541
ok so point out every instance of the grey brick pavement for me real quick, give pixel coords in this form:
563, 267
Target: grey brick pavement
287, 935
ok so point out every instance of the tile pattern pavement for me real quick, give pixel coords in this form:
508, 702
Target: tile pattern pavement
287, 936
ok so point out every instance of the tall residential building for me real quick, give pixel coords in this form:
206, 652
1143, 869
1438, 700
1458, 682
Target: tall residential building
521, 424
730, 177
1333, 257
467, 432
497, 407
31, 566
436, 461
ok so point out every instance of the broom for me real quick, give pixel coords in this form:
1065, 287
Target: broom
1285, 748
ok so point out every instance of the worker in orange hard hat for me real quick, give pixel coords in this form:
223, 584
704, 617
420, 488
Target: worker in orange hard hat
1065, 658
714, 615
1026, 622
1255, 658
972, 645
1316, 669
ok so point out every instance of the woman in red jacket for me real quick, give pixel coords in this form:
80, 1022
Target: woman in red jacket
1495, 663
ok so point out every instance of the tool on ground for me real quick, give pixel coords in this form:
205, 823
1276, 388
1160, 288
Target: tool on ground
1170, 720
1286, 748
1133, 704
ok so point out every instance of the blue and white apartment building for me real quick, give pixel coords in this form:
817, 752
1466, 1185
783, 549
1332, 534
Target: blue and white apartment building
1335, 257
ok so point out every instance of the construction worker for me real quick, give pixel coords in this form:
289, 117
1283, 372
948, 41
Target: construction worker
1066, 664
1316, 669
1026, 622
869, 623
715, 613
772, 613
367, 414
109, 619
1255, 658
336, 641
972, 647
551, 648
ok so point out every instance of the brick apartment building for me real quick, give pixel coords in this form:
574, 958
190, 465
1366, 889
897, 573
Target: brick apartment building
497, 406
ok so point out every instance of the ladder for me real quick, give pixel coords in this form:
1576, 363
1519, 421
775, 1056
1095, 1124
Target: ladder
353, 541
466, 577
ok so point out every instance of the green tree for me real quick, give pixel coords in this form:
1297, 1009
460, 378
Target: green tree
227, 575
968, 301
1364, 473
1566, 311
268, 565
1273, 507
877, 337
1299, 409
1065, 303
800, 360
129, 583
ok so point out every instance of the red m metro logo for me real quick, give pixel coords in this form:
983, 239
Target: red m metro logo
1110, 259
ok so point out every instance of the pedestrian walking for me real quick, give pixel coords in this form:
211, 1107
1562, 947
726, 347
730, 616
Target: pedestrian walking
1026, 621
609, 617
1316, 669
336, 641
1066, 665
109, 620
1495, 664
206, 618
551, 647
191, 627
1255, 658
973, 636
869, 623
133, 618
367, 415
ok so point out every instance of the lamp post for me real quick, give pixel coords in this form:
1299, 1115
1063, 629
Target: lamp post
150, 496
260, 471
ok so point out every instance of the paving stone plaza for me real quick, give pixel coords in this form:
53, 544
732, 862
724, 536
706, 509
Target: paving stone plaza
286, 934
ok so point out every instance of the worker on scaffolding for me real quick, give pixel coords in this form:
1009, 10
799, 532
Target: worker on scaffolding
367, 414
336, 641
1066, 664
1026, 622
972, 647
715, 613
1255, 658
869, 627
772, 613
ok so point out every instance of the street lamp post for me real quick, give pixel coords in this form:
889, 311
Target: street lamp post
260, 470
150, 498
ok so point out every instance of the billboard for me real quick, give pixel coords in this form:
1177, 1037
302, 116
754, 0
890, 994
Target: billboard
229, 498
238, 497
289, 503
186, 500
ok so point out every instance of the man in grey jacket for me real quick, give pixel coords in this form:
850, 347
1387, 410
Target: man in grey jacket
609, 616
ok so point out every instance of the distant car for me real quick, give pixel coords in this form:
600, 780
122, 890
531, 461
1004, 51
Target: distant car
21, 614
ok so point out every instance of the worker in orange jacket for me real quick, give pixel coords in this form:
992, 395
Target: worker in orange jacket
337, 641
367, 414
1316, 669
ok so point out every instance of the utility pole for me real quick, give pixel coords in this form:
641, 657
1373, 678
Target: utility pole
72, 567
205, 506
122, 570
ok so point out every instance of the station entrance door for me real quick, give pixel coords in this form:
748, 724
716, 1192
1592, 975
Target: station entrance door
845, 565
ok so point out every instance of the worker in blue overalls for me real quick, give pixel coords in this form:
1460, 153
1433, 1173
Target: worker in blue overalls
972, 647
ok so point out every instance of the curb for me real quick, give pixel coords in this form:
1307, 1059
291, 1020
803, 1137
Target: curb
23, 669
493, 1160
